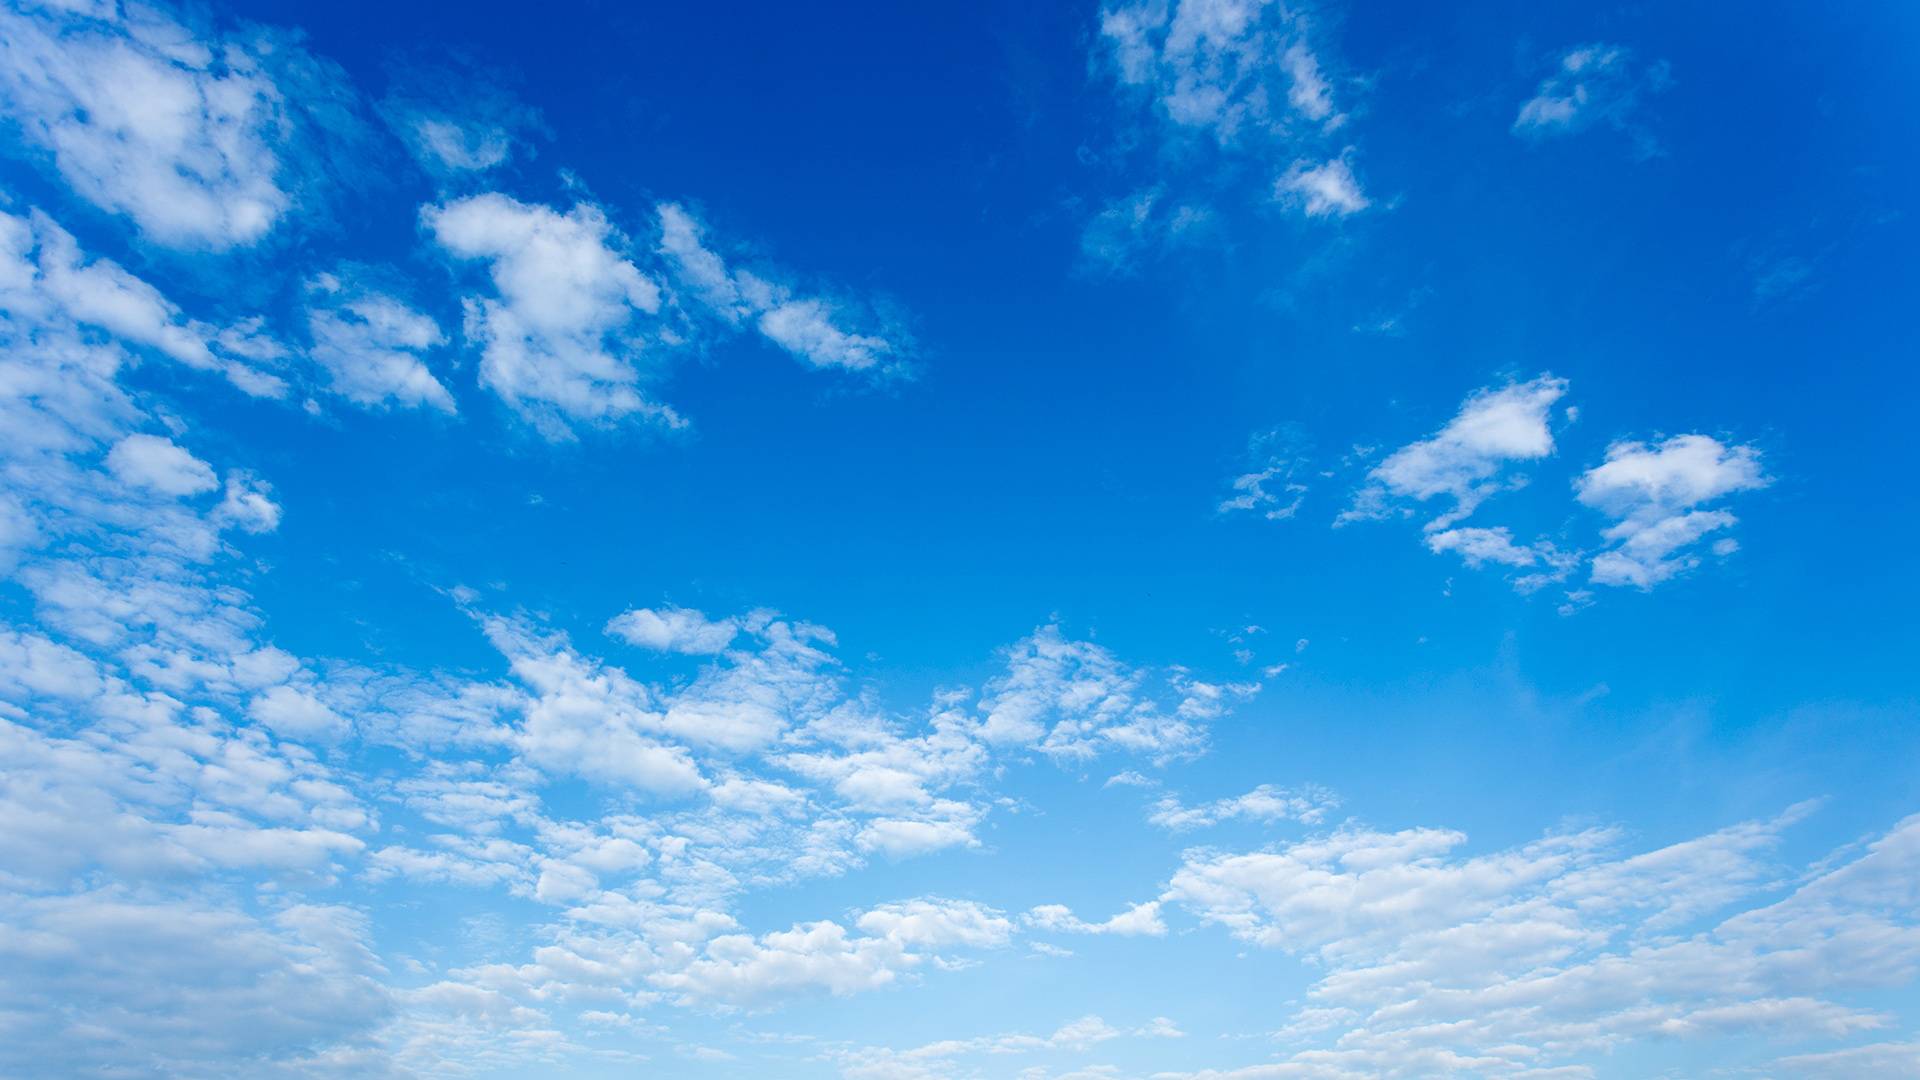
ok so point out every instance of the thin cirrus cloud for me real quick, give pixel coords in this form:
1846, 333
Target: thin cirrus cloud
1594, 84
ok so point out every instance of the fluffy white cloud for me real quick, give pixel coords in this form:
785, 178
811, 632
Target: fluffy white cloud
558, 340
673, 629
370, 344
1463, 460
1591, 84
1327, 189
1073, 698
1654, 493
810, 328
160, 464
186, 134
44, 275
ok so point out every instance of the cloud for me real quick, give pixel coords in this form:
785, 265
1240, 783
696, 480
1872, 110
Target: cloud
1654, 493
46, 275
1265, 803
1596, 83
1073, 699
191, 136
673, 629
456, 121
160, 464
1139, 920
1227, 88
371, 344
812, 329
1253, 492
558, 340
182, 988
1464, 460
1327, 189
1556, 952
1220, 67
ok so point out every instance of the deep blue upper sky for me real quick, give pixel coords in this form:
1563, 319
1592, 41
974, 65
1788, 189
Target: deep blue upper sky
604, 540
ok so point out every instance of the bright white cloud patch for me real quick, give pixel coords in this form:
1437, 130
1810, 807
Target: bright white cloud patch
184, 134
673, 629
160, 464
558, 338
812, 329
371, 344
1657, 495
1465, 460
1324, 190
45, 274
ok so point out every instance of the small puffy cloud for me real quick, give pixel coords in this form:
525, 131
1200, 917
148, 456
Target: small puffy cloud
1591, 84
1464, 460
159, 464
1326, 189
370, 345
558, 342
673, 629
248, 504
811, 329
188, 135
1139, 920
296, 713
1656, 493
938, 923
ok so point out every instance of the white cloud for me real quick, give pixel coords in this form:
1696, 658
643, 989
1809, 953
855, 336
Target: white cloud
1256, 491
47, 275
1653, 492
558, 341
370, 344
810, 328
674, 629
188, 136
1540, 956
1073, 699
182, 988
294, 713
1591, 84
1220, 66
1265, 803
160, 464
1327, 189
1139, 920
1464, 460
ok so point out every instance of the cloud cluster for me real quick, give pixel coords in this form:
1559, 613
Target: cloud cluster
1547, 955
1657, 495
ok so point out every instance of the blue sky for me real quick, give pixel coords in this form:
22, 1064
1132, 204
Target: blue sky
1204, 539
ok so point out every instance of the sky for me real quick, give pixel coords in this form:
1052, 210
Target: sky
1173, 539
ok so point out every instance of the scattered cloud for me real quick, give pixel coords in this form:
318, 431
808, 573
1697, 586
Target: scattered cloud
1656, 495
1593, 84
